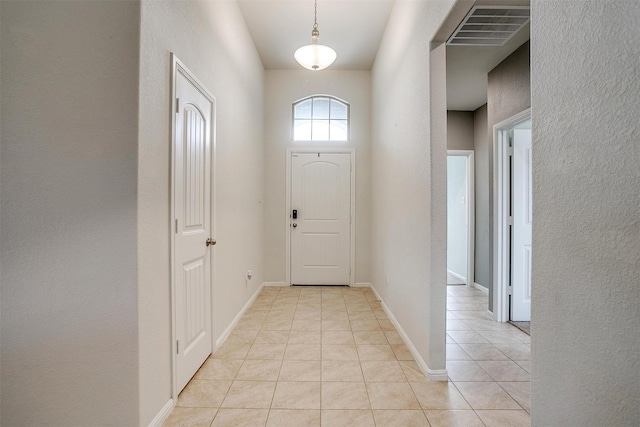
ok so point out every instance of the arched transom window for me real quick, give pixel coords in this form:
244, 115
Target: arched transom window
320, 118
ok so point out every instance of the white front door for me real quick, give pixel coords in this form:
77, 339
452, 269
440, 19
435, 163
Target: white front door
522, 218
321, 229
192, 226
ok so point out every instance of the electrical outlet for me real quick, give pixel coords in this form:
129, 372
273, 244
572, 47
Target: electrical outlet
249, 274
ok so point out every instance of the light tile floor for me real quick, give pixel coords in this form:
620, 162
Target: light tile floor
329, 356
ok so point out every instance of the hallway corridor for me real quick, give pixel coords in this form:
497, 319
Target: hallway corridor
311, 356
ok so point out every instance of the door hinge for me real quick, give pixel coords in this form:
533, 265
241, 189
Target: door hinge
176, 225
510, 220
509, 290
177, 105
510, 151
177, 346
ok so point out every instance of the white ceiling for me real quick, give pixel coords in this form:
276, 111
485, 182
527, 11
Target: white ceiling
354, 28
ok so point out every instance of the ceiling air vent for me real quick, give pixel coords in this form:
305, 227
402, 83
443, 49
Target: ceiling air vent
490, 25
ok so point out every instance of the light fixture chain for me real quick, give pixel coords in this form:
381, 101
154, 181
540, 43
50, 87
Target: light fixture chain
315, 15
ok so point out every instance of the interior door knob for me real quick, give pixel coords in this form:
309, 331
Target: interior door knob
211, 242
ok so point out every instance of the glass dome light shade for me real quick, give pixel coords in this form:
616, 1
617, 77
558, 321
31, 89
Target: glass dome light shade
315, 56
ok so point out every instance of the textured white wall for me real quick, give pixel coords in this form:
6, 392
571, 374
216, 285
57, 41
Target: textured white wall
481, 196
282, 89
212, 40
69, 158
403, 268
459, 130
586, 232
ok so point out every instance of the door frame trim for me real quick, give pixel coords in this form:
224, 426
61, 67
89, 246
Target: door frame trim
176, 66
501, 203
352, 225
471, 209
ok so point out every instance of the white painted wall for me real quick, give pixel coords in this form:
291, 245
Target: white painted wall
586, 256
457, 212
213, 42
68, 231
282, 89
408, 260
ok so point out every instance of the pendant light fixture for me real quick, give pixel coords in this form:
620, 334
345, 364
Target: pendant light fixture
315, 56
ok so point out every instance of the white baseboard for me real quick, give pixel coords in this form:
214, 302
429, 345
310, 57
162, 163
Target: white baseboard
480, 287
274, 284
362, 285
491, 315
457, 276
431, 374
236, 319
163, 414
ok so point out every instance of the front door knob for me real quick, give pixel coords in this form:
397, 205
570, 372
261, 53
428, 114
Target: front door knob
294, 225
211, 242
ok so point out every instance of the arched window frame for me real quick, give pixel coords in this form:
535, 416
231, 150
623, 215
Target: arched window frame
322, 123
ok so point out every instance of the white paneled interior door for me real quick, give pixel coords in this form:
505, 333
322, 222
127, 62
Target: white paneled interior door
522, 219
192, 226
321, 233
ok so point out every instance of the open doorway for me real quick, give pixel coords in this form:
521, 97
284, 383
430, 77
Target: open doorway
460, 217
513, 184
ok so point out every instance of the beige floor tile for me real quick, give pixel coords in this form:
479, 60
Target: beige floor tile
241, 418
399, 418
504, 370
275, 315
203, 393
276, 325
303, 352
483, 352
525, 364
402, 352
392, 396
232, 350
467, 337
336, 325
259, 370
505, 418
347, 417
304, 337
519, 391
453, 418
341, 370
297, 417
306, 325
466, 370
375, 352
305, 314
190, 417
499, 337
365, 325
249, 325
337, 316
242, 336
337, 337
486, 395
380, 314
457, 325
412, 371
386, 325
515, 351
439, 395
449, 340
301, 370
272, 337
297, 395
361, 315
249, 394
266, 351
393, 337
218, 369
455, 352
382, 371
370, 337
344, 395
339, 352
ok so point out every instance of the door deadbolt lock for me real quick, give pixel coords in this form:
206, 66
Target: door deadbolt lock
211, 242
